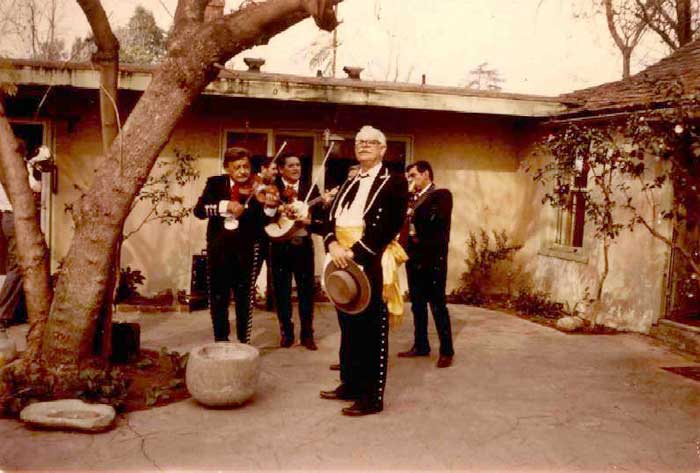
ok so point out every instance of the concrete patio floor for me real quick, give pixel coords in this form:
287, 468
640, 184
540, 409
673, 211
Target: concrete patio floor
519, 397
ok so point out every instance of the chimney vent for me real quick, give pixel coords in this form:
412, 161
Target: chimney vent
353, 72
254, 63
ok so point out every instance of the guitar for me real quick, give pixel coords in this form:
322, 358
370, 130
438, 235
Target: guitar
286, 226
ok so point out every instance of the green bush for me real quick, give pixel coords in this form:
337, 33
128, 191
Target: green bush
482, 257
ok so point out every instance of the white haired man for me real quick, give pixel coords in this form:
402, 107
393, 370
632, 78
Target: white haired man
364, 218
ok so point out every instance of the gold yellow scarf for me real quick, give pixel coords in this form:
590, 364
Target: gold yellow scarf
393, 257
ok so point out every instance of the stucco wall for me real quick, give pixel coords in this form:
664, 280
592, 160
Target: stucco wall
633, 291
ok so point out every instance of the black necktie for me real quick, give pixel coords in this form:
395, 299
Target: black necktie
352, 192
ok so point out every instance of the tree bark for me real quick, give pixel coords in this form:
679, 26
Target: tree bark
626, 60
684, 29
32, 252
100, 214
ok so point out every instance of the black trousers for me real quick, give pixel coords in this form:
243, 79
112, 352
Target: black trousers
426, 283
233, 263
294, 258
364, 344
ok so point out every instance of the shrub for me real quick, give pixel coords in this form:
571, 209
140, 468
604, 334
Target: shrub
91, 383
128, 281
538, 303
482, 257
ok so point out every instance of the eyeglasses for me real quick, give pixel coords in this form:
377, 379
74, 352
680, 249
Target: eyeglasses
367, 142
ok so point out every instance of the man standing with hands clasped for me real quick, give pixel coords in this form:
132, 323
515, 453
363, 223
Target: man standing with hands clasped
429, 219
364, 219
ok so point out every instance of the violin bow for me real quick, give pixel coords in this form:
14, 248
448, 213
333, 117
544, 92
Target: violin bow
323, 165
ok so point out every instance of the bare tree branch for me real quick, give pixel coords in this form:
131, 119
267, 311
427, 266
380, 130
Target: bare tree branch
648, 19
107, 58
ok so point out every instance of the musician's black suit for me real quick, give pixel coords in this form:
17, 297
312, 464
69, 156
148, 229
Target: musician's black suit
233, 257
295, 257
364, 337
427, 267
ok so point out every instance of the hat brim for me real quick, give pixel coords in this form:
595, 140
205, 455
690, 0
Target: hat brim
361, 301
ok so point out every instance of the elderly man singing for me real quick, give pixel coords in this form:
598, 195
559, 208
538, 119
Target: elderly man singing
364, 219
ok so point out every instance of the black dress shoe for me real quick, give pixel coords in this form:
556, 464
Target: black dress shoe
286, 342
444, 361
362, 408
341, 393
309, 344
412, 353
334, 367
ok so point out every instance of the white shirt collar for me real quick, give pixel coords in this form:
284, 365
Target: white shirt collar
286, 183
425, 190
372, 172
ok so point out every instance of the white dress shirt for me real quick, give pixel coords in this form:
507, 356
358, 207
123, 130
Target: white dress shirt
294, 186
353, 216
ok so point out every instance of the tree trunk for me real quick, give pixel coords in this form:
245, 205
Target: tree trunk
597, 305
626, 60
684, 29
32, 252
100, 214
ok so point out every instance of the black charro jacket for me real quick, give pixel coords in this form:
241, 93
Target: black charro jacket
250, 223
384, 214
432, 218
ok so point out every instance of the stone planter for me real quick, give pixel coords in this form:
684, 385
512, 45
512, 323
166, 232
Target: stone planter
223, 374
69, 414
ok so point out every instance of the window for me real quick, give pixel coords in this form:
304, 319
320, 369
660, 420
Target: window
343, 156
572, 218
254, 141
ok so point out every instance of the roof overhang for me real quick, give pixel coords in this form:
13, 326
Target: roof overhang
300, 89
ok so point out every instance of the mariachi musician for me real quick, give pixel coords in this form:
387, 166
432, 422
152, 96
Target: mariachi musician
293, 255
237, 209
292, 251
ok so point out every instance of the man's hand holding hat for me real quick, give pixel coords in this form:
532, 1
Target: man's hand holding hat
339, 254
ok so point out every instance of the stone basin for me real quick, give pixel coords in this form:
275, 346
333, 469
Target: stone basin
69, 414
223, 373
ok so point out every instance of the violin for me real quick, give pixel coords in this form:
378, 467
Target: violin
243, 191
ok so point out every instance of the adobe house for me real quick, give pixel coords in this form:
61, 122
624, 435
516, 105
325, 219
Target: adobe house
475, 140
